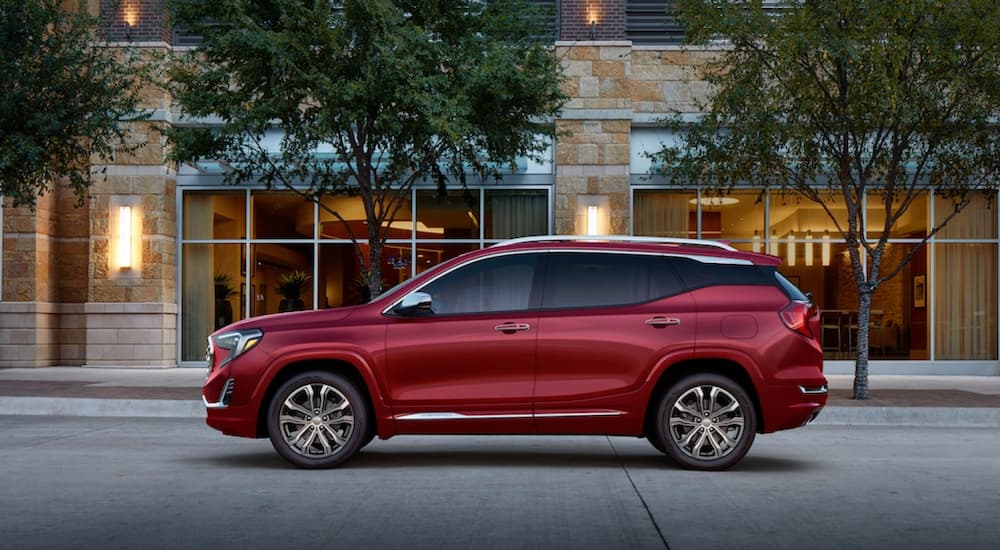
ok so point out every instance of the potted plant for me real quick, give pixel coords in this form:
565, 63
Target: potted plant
290, 286
223, 290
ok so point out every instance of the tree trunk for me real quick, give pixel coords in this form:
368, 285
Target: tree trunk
861, 360
375, 268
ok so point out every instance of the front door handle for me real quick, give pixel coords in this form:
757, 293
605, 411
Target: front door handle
511, 328
661, 322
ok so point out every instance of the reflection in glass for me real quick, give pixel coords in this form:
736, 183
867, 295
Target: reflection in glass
912, 225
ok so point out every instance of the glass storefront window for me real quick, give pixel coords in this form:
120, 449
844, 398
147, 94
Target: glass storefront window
272, 265
665, 213
215, 215
454, 215
339, 273
978, 220
512, 213
281, 215
213, 290
912, 225
736, 216
965, 314
352, 219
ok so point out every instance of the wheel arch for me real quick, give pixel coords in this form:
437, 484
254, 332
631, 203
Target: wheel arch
339, 366
723, 367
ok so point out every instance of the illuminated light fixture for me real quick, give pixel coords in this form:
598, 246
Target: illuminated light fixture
130, 16
592, 20
715, 201
825, 248
791, 249
809, 248
125, 237
592, 218
772, 246
756, 241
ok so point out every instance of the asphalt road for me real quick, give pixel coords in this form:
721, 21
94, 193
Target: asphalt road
158, 483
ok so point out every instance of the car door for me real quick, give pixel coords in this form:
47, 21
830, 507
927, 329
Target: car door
469, 365
606, 321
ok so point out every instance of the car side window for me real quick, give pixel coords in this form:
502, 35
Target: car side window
575, 280
492, 285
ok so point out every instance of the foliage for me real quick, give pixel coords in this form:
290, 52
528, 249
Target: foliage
859, 100
372, 95
290, 284
63, 100
223, 286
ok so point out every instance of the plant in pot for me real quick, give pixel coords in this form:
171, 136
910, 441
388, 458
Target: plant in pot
223, 290
290, 286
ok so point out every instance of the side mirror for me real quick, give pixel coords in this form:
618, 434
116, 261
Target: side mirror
414, 303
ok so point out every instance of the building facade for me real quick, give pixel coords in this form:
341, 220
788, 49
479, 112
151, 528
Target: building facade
161, 255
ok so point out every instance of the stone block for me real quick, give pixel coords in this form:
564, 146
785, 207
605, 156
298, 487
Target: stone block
609, 68
616, 154
578, 68
582, 53
588, 154
614, 53
590, 86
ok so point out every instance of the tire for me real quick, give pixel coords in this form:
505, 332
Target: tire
318, 420
698, 441
655, 442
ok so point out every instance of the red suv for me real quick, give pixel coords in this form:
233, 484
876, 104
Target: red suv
691, 344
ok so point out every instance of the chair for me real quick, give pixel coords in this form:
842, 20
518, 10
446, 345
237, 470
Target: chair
830, 325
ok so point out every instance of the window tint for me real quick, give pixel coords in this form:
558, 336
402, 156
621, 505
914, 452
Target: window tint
791, 290
696, 274
592, 280
495, 284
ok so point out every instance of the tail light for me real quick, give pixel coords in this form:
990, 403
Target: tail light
802, 317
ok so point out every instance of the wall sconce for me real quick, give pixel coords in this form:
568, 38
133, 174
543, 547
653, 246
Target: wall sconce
124, 244
592, 20
791, 249
592, 214
809, 248
130, 17
825, 248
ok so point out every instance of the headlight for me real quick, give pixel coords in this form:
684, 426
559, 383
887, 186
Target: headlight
237, 342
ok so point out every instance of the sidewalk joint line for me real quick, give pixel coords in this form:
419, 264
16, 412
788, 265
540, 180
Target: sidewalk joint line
649, 512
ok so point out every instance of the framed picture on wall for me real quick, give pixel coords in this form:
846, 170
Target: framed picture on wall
919, 290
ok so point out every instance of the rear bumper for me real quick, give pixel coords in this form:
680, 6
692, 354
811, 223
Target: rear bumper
794, 405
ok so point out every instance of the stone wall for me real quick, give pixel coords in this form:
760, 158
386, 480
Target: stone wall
611, 85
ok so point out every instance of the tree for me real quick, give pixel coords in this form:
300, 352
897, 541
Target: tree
63, 101
397, 91
849, 98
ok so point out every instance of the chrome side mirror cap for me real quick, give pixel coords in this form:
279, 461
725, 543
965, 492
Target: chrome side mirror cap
414, 303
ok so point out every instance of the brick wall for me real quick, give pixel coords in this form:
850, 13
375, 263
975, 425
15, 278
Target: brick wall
147, 21
576, 16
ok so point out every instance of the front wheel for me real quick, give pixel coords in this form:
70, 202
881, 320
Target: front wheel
317, 420
706, 422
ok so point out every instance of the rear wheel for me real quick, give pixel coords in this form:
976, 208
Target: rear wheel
706, 422
317, 420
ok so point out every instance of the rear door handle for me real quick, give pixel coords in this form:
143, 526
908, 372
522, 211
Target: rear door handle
511, 328
661, 322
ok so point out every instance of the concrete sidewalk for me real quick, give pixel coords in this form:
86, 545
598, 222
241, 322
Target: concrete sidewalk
966, 401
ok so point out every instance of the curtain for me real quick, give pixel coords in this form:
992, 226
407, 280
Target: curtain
517, 214
965, 315
197, 298
661, 214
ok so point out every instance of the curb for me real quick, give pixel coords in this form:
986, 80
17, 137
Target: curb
77, 406
962, 417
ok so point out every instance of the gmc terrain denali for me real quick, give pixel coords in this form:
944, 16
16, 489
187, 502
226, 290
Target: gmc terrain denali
692, 344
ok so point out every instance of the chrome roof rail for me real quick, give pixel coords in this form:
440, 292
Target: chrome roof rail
617, 238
